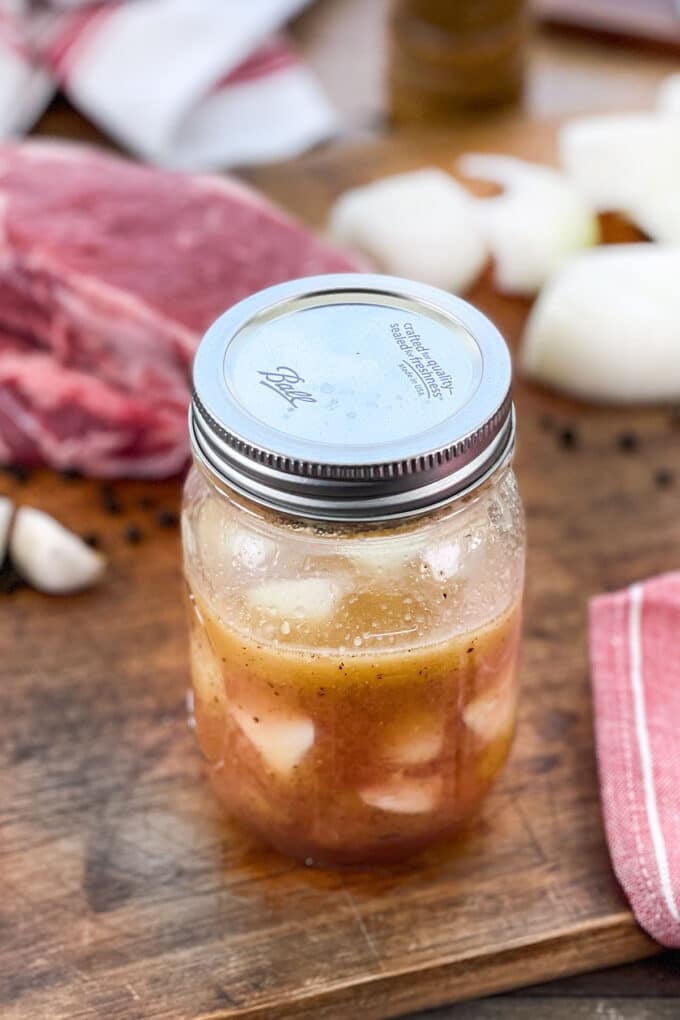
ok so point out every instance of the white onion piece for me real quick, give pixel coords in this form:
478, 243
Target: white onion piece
668, 96
49, 556
606, 327
206, 674
6, 514
282, 742
381, 556
443, 560
419, 225
628, 163
404, 796
492, 714
538, 221
221, 546
309, 598
416, 740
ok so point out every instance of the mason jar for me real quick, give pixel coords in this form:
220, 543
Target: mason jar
354, 556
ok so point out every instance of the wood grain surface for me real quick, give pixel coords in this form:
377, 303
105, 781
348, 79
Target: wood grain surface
125, 891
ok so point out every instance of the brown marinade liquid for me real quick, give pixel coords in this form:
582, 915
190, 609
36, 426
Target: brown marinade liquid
362, 756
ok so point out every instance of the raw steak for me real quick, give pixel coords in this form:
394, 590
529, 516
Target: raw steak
109, 274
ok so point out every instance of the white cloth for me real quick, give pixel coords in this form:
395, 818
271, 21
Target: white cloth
191, 84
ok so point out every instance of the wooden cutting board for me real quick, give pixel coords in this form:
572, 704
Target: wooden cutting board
125, 893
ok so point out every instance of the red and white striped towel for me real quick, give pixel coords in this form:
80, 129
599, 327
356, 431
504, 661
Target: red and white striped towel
635, 655
190, 84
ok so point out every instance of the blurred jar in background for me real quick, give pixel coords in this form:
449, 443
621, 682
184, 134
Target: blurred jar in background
447, 56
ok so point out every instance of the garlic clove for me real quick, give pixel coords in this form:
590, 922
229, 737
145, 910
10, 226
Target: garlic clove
606, 327
404, 796
418, 225
6, 514
309, 598
534, 225
668, 96
282, 742
628, 163
49, 556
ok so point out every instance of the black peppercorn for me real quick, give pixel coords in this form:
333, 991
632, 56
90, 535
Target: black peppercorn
110, 500
167, 518
663, 479
10, 580
628, 442
567, 438
19, 472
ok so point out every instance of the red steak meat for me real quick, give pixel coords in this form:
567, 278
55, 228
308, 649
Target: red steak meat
109, 274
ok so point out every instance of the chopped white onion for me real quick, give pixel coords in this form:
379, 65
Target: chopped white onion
416, 740
282, 742
404, 796
492, 714
419, 225
222, 546
206, 674
628, 163
308, 598
606, 328
668, 97
443, 560
538, 221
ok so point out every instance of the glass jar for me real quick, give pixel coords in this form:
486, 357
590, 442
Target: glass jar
354, 554
450, 57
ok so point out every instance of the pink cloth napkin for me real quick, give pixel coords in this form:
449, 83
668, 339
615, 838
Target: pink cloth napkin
190, 84
635, 655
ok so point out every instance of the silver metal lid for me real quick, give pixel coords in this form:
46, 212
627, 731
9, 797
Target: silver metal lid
352, 397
